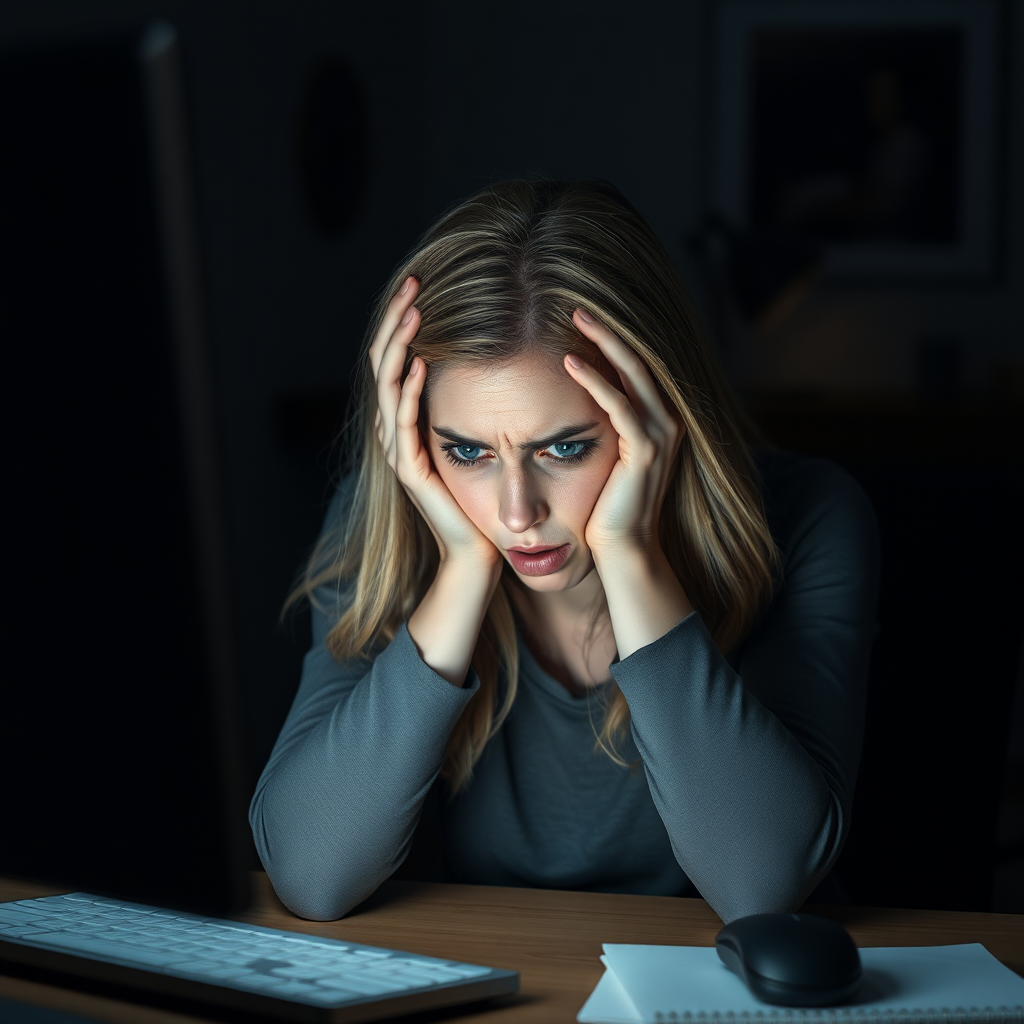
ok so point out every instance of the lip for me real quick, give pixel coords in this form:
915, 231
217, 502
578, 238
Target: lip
538, 549
539, 561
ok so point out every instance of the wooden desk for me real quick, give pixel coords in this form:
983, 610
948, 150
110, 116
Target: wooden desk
552, 938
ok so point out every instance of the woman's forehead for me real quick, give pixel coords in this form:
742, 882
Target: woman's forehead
533, 388
497, 373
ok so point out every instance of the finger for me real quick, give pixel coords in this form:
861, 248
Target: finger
623, 416
636, 379
408, 446
389, 376
393, 315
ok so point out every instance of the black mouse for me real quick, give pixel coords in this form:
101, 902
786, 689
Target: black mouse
792, 959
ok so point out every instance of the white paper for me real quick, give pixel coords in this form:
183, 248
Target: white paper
643, 981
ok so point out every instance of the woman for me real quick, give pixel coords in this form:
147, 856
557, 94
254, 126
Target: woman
554, 560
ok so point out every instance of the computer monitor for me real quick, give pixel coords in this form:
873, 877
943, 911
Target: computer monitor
120, 768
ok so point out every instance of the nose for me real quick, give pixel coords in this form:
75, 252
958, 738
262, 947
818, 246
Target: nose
521, 503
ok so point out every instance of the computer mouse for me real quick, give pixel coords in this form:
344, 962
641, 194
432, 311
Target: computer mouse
792, 959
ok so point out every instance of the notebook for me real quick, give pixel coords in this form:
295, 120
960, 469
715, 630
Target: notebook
905, 984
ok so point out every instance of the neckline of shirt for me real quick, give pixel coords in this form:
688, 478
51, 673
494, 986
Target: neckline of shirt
532, 671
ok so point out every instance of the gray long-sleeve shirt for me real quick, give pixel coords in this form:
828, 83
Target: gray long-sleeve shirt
747, 766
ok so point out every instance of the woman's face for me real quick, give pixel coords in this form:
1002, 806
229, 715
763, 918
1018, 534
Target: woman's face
525, 451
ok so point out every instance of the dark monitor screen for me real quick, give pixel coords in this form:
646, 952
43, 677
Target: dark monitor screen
119, 765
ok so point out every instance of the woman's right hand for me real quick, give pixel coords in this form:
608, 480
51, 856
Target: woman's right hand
397, 423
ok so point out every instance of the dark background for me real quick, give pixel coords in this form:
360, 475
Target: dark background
309, 197
812, 123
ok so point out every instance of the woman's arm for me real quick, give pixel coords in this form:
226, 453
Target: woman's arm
752, 769
337, 805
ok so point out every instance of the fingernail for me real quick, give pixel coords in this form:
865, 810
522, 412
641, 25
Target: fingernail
584, 315
574, 361
408, 315
405, 287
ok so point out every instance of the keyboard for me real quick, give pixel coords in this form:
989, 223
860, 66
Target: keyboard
271, 971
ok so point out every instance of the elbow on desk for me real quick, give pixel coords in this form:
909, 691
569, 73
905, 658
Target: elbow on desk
312, 889
313, 896
315, 906
304, 879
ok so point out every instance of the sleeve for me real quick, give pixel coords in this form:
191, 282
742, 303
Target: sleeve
336, 806
752, 768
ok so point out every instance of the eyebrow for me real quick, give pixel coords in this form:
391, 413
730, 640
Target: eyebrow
544, 442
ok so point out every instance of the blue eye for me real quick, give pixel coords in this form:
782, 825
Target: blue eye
578, 448
461, 454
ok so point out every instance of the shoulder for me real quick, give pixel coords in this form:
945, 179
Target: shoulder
825, 529
810, 498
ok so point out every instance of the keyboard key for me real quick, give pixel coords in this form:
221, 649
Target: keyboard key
338, 985
409, 980
373, 986
101, 948
469, 970
428, 961
296, 972
441, 975
295, 988
16, 913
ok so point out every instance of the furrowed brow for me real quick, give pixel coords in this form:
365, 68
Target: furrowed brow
562, 435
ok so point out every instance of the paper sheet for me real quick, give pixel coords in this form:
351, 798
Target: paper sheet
642, 981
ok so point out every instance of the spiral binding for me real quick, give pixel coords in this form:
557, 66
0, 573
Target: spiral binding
840, 1014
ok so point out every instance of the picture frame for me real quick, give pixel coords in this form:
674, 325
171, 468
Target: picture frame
867, 128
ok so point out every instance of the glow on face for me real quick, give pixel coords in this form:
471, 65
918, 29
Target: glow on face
525, 451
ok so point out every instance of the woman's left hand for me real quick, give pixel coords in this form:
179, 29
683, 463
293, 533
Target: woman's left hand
625, 517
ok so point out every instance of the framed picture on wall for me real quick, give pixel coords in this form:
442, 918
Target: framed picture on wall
866, 127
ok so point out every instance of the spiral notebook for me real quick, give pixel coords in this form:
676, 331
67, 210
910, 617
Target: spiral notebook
905, 984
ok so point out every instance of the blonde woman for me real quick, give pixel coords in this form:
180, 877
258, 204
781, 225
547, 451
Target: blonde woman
572, 628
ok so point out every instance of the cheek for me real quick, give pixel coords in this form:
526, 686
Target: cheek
579, 493
471, 499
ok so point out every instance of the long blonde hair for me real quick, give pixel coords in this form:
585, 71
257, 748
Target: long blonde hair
500, 274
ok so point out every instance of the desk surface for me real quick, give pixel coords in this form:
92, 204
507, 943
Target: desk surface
552, 938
